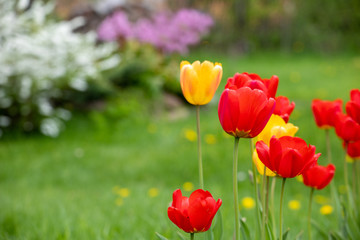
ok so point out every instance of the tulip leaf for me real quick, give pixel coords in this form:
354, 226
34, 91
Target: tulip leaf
244, 229
161, 237
181, 236
320, 229
286, 233
299, 235
335, 236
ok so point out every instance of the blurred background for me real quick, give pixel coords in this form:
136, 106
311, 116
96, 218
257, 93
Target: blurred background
95, 134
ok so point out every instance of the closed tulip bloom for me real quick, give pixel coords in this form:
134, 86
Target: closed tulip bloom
347, 128
283, 107
254, 81
244, 112
199, 81
353, 106
287, 156
318, 176
353, 150
193, 214
325, 111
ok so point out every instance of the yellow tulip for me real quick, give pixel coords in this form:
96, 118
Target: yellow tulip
199, 81
275, 127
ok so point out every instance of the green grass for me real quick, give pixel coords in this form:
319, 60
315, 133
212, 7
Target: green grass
64, 188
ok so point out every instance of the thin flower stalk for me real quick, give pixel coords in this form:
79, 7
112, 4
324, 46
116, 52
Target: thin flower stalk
258, 218
235, 189
201, 174
281, 208
309, 213
192, 236
272, 197
263, 201
328, 145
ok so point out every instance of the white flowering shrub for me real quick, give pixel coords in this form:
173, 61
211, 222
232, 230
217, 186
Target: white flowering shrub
40, 61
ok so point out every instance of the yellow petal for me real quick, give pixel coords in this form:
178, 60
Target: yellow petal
188, 81
278, 128
183, 63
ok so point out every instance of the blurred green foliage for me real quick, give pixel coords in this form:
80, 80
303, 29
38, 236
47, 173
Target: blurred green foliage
289, 25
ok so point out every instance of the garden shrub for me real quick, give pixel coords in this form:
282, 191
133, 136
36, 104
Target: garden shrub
45, 67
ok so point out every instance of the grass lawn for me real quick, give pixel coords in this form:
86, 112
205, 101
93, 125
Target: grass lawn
116, 181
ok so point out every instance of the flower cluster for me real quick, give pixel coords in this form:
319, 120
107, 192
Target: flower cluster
166, 32
36, 67
249, 108
329, 114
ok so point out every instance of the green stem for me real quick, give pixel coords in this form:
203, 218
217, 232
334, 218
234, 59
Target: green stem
346, 178
263, 193
235, 189
358, 179
328, 146
272, 196
281, 208
354, 186
192, 236
258, 218
201, 176
309, 212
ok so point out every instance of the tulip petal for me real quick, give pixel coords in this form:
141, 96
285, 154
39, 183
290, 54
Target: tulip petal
201, 209
180, 220
227, 112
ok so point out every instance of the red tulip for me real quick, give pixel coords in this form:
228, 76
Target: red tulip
287, 156
325, 112
283, 107
353, 149
254, 81
193, 214
319, 176
244, 112
346, 128
353, 106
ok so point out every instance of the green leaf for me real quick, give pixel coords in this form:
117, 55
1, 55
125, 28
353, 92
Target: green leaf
161, 237
320, 229
245, 232
286, 233
299, 235
218, 227
181, 236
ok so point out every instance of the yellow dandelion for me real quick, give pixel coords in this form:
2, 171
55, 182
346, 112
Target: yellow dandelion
326, 209
123, 192
248, 202
153, 192
151, 128
320, 199
190, 135
188, 186
210, 139
294, 205
119, 202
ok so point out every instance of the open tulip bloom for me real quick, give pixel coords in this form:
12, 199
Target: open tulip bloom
244, 108
287, 156
193, 214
